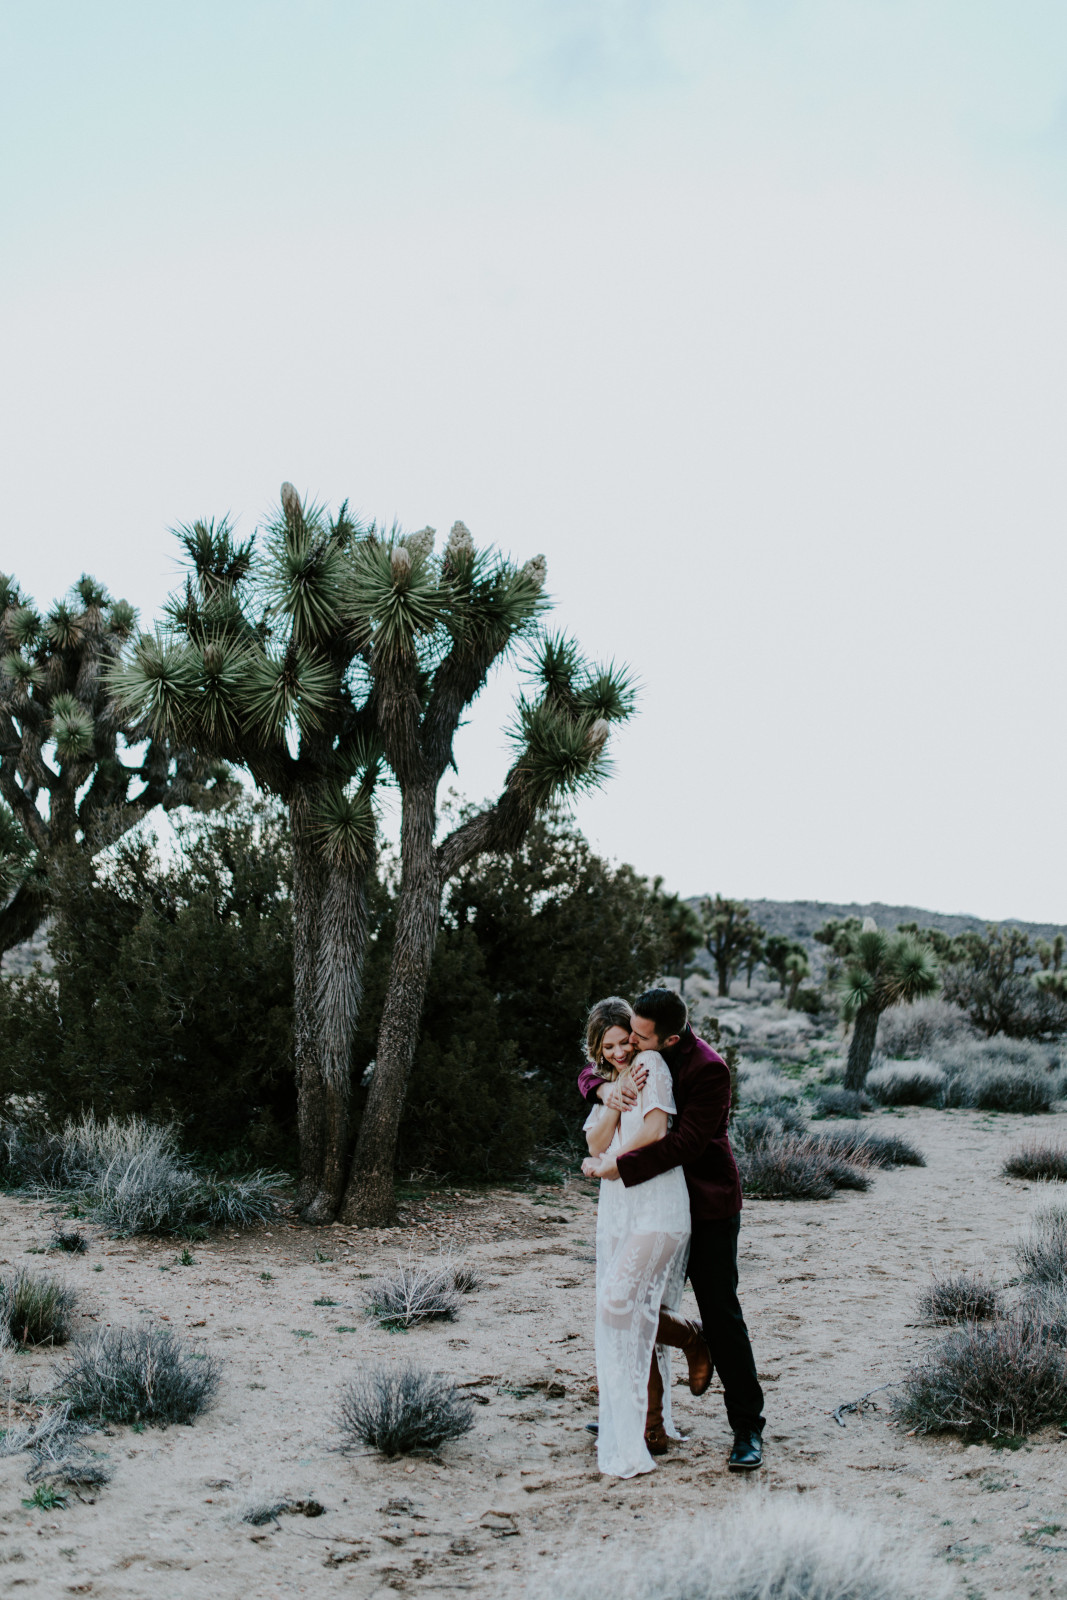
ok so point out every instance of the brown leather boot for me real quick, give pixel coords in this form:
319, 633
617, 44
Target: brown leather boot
656, 1436
689, 1338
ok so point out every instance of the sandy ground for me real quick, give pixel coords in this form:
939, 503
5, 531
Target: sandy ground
829, 1290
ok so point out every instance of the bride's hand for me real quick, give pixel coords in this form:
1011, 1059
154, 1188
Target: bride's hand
589, 1167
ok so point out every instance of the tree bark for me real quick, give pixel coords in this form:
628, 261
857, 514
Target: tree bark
861, 1047
722, 967
339, 990
370, 1200
308, 896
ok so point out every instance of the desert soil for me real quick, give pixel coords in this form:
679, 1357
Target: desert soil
830, 1293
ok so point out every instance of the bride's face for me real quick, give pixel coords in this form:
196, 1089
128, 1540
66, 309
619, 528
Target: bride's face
617, 1050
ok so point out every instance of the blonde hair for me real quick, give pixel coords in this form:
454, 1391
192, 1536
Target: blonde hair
614, 1012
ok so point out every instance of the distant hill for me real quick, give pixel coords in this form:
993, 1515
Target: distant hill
798, 919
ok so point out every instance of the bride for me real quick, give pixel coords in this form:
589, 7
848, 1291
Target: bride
642, 1248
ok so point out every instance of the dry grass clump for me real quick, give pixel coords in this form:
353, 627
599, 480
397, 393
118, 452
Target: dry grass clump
414, 1294
70, 1240
466, 1279
58, 1454
35, 1309
138, 1375
866, 1148
130, 1177
795, 1167
1041, 1255
768, 1548
1002, 1075
1039, 1162
907, 1083
1004, 1377
830, 1100
959, 1297
400, 1410
762, 1085
922, 1028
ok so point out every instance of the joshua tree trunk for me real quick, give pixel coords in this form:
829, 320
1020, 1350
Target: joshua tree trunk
861, 1048
308, 896
369, 1199
723, 969
339, 990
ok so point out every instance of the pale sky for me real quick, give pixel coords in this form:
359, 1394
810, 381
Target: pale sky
751, 316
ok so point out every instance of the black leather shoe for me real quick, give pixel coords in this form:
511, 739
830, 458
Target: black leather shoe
747, 1453
592, 1427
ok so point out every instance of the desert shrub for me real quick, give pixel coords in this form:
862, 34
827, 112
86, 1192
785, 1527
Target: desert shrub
129, 1176
69, 1240
1003, 1377
401, 1409
143, 1374
992, 978
54, 1441
466, 1279
1038, 1162
769, 1548
414, 1294
989, 1082
867, 1148
35, 1309
172, 989
31, 1155
917, 1030
795, 1167
1041, 1254
959, 1297
760, 1084
907, 1083
262, 1509
828, 1100
751, 1129
1044, 1305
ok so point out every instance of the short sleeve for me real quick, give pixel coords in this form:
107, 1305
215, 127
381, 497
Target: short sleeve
658, 1093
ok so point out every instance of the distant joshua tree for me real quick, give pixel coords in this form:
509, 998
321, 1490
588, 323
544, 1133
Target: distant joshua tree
797, 968
781, 955
684, 931
877, 970
75, 772
731, 934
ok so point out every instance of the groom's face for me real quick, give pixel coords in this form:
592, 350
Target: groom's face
643, 1035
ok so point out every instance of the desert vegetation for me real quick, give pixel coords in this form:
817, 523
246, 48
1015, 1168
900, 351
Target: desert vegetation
400, 1410
139, 1375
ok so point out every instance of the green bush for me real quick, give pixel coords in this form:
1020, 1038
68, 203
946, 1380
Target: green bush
170, 996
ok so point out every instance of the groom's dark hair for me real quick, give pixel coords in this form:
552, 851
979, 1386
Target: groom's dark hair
666, 1009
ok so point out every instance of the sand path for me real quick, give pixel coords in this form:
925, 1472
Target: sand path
829, 1289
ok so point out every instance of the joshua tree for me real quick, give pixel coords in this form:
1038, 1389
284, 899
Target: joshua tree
435, 628
684, 929
797, 968
777, 952
730, 933
1050, 955
63, 776
263, 661
879, 970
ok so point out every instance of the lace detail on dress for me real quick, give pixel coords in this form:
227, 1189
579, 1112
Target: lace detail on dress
642, 1250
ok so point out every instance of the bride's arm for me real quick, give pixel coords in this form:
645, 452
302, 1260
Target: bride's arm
653, 1127
600, 1135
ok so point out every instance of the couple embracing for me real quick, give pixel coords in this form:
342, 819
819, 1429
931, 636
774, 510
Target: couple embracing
670, 1207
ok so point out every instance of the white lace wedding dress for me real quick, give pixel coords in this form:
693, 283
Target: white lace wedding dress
642, 1248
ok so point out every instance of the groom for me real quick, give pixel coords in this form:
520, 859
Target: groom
698, 1143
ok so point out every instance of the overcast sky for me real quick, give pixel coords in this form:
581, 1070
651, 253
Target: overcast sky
750, 315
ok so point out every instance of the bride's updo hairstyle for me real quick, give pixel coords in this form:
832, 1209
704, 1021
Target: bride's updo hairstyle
614, 1012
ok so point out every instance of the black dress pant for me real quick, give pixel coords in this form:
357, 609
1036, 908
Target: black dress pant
713, 1275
